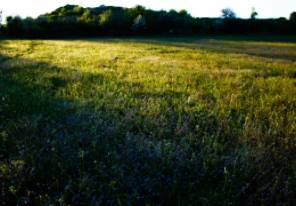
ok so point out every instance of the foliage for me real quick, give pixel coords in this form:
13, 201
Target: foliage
168, 121
228, 13
139, 25
112, 21
15, 25
2, 28
254, 13
293, 17
86, 17
183, 13
1, 13
72, 20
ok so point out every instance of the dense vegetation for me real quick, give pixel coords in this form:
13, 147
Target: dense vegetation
72, 20
148, 122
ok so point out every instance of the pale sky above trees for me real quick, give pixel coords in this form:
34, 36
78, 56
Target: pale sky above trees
198, 8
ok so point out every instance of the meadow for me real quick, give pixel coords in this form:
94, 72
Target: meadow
148, 121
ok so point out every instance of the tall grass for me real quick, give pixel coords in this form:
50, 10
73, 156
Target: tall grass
147, 122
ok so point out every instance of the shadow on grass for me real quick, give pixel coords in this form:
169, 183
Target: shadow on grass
66, 149
60, 149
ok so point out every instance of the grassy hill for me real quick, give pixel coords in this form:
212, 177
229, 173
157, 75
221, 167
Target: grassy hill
175, 121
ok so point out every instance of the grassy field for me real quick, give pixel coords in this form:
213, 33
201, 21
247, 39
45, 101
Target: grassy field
175, 121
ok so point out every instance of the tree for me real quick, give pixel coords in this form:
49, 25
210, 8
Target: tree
78, 10
293, 17
139, 24
183, 13
173, 11
112, 21
139, 9
86, 17
228, 13
105, 18
14, 25
1, 17
132, 13
254, 13
1, 27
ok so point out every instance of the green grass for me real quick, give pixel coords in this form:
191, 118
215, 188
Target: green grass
176, 121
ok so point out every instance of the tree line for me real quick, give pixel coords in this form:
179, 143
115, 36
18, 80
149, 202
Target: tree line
73, 20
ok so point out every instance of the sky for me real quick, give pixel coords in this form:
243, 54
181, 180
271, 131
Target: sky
197, 8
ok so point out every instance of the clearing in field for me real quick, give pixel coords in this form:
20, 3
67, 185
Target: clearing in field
144, 121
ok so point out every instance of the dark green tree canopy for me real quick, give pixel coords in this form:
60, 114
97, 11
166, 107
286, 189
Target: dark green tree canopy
228, 13
0, 17
293, 17
183, 13
139, 24
254, 13
73, 20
